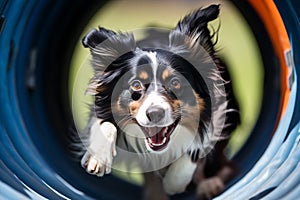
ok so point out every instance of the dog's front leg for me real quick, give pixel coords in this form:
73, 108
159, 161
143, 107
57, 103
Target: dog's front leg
101, 149
179, 175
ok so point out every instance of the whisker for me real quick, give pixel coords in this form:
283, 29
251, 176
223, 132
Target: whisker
124, 121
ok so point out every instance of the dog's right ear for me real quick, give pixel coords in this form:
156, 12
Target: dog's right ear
95, 37
106, 46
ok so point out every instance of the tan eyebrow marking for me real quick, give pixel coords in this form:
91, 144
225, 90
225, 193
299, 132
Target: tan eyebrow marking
143, 75
166, 73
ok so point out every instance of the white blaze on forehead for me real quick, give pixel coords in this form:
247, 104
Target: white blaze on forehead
154, 98
152, 56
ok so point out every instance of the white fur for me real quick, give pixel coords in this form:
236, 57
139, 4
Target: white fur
102, 148
152, 56
179, 175
154, 99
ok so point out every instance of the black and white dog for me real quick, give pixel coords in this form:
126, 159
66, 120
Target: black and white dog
172, 104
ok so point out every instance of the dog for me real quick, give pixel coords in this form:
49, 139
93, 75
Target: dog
172, 104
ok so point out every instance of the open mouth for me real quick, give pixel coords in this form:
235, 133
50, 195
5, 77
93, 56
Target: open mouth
158, 138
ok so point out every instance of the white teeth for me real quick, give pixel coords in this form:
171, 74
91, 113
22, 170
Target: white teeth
150, 142
157, 145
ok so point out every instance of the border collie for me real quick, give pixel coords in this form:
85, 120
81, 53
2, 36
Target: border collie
169, 107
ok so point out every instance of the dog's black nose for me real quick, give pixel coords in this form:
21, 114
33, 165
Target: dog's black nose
155, 114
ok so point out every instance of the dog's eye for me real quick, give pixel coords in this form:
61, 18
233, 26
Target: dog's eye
175, 83
136, 85
136, 96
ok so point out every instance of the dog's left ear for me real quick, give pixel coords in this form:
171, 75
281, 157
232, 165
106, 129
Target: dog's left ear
194, 28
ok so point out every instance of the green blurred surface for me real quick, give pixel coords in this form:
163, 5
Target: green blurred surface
236, 45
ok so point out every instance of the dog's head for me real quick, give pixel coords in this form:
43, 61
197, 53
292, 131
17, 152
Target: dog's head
156, 93
159, 87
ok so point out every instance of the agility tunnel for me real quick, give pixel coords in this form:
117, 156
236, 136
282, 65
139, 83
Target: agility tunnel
37, 40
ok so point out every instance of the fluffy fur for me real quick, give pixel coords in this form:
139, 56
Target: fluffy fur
172, 105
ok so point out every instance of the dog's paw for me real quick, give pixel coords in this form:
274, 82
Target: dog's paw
96, 165
99, 157
209, 188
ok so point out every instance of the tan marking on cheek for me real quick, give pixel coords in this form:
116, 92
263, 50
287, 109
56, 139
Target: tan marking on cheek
143, 75
194, 112
166, 73
175, 104
191, 117
134, 107
200, 103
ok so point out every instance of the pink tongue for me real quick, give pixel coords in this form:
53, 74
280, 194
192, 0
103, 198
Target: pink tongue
157, 137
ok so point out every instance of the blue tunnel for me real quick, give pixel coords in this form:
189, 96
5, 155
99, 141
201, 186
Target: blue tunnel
37, 39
